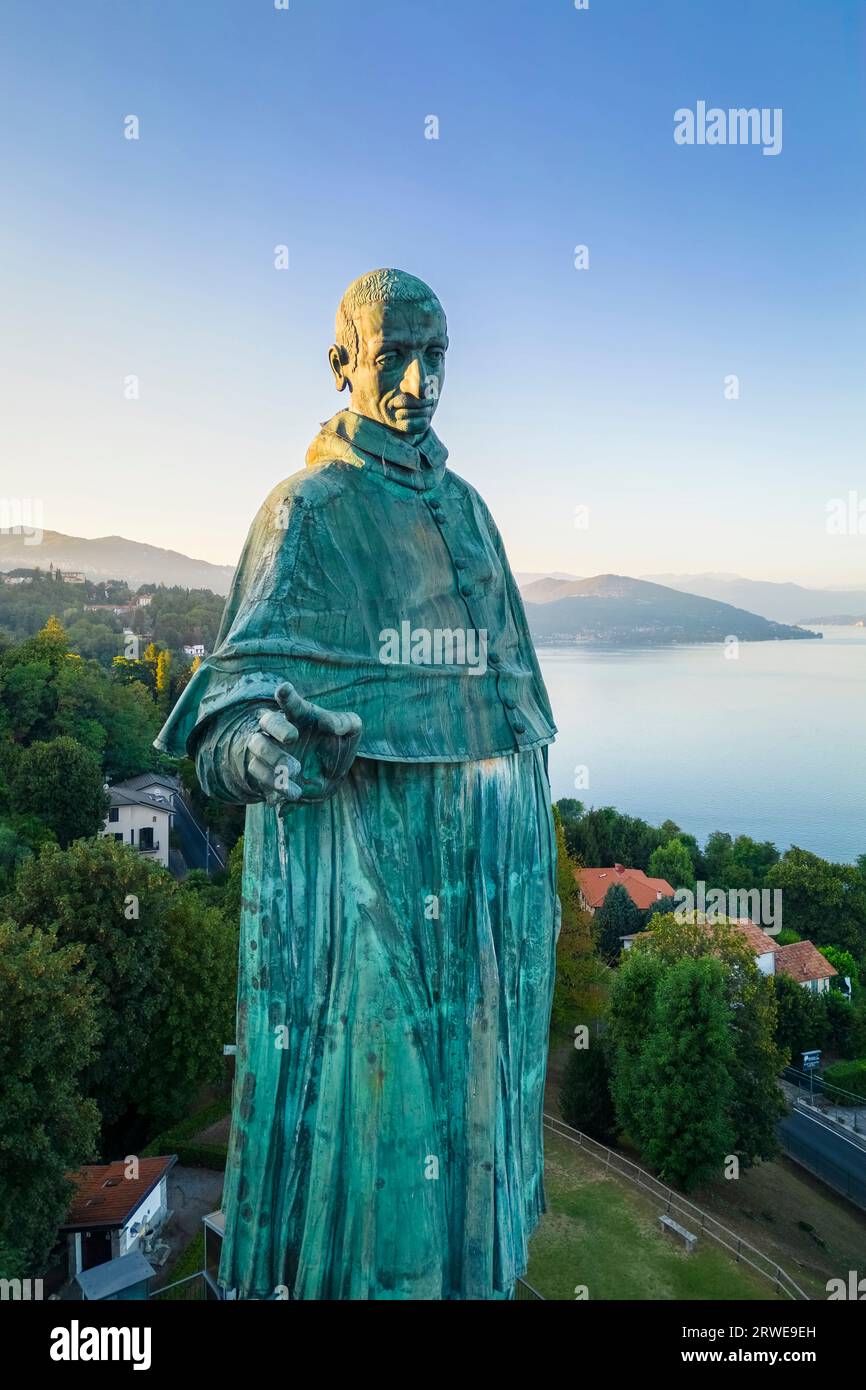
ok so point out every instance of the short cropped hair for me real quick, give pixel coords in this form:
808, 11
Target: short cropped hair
379, 287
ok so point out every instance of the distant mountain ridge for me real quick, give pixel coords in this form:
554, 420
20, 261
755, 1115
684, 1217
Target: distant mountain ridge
615, 609
113, 557
560, 606
784, 603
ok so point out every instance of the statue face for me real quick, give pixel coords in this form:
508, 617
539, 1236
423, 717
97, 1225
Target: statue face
400, 370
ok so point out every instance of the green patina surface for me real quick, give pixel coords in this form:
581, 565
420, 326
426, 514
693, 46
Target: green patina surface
397, 935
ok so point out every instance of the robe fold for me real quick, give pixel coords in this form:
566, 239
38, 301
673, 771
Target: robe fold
397, 940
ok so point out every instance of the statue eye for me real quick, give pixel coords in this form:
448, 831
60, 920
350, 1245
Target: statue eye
386, 359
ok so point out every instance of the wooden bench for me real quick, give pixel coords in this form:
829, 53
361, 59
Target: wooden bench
673, 1228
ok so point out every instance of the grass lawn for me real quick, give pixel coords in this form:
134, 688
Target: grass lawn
600, 1232
790, 1215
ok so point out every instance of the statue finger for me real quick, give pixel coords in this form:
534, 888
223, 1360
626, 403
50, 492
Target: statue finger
275, 783
342, 724
295, 708
273, 754
278, 727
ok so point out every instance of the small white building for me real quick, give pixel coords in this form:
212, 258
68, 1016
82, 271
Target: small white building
141, 813
194, 649
115, 1206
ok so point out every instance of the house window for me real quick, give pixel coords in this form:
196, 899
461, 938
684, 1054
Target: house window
145, 837
114, 814
119, 838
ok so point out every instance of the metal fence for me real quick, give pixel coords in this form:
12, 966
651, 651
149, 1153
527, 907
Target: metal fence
813, 1087
698, 1221
525, 1293
195, 1289
192, 1289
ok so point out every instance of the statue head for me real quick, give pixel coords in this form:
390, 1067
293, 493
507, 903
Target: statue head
391, 340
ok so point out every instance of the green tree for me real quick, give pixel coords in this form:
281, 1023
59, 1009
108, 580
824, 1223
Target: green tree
673, 862
756, 1058
662, 907
95, 640
824, 902
162, 961
104, 898
580, 991
758, 1103
846, 966
20, 837
28, 697
751, 861
61, 782
47, 1127
846, 1025
603, 837
801, 1019
632, 1006
134, 722
584, 1095
741, 863
689, 1054
617, 917
196, 1011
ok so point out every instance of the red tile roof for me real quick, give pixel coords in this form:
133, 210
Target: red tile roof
803, 961
643, 891
104, 1196
759, 941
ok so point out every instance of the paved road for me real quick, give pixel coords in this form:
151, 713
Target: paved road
193, 843
830, 1155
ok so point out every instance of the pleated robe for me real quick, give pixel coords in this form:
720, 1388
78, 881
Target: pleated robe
397, 940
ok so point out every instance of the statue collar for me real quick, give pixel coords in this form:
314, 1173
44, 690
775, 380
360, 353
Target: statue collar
352, 438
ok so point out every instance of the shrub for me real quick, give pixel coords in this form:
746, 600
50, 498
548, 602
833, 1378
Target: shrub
849, 1076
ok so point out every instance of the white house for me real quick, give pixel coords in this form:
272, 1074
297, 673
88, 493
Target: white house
805, 963
141, 814
802, 960
115, 1206
194, 649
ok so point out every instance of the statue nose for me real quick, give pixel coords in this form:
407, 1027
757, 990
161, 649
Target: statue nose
411, 383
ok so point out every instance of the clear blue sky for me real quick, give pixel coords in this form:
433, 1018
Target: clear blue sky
601, 388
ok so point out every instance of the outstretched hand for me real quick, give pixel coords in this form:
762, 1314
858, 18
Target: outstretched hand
300, 751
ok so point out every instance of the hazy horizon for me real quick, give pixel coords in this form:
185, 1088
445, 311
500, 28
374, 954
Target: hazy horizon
657, 576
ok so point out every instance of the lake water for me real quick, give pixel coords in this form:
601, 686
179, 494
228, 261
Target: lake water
772, 744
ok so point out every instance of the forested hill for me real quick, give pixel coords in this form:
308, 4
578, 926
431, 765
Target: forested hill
112, 557
614, 609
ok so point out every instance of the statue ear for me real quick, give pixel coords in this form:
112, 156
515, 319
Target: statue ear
338, 358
